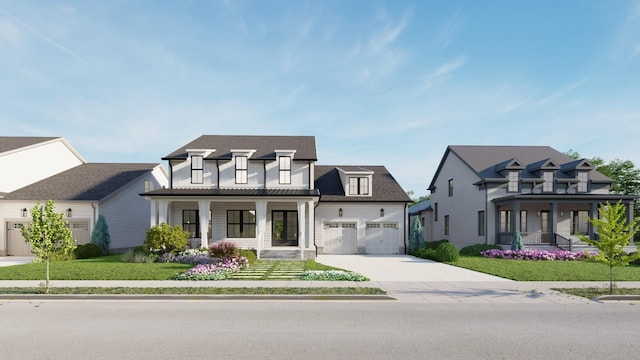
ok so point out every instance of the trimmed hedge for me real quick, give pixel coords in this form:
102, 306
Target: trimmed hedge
475, 250
87, 251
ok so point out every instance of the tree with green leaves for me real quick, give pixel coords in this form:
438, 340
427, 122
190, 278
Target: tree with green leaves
100, 235
48, 234
614, 235
416, 200
625, 176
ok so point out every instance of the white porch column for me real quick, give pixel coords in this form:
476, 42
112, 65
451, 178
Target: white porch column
261, 220
312, 222
301, 227
154, 213
163, 212
203, 211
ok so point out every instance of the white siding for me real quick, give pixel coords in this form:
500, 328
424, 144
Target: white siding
299, 175
255, 175
33, 164
182, 174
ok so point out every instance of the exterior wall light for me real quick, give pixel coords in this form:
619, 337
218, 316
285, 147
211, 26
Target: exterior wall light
381, 212
69, 212
23, 212
340, 212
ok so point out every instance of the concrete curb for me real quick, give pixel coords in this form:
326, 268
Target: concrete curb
617, 298
192, 297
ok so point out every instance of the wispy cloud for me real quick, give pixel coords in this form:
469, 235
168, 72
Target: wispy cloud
443, 72
390, 33
44, 37
562, 92
450, 30
9, 32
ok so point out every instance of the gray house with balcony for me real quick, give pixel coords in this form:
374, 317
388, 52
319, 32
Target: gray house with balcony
484, 194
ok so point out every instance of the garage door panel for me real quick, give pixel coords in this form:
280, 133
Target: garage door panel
16, 246
381, 238
340, 238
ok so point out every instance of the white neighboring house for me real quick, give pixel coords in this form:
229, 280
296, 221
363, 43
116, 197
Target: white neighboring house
266, 193
25, 160
484, 194
83, 193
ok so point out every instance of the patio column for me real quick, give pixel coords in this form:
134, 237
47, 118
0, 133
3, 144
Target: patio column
593, 214
153, 221
261, 222
301, 227
554, 222
516, 217
163, 211
630, 213
203, 210
312, 228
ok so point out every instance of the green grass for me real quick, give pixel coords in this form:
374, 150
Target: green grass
523, 270
311, 264
195, 291
593, 292
102, 268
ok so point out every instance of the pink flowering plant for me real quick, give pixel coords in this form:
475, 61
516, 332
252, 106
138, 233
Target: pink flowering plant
190, 256
528, 254
219, 270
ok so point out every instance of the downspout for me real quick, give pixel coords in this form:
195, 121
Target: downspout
486, 216
95, 220
170, 175
314, 223
406, 228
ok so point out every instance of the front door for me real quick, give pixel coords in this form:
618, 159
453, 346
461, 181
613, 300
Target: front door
285, 228
545, 227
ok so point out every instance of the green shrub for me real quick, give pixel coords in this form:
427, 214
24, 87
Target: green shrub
141, 249
100, 235
87, 251
132, 256
165, 238
447, 252
434, 244
250, 254
636, 261
475, 250
429, 254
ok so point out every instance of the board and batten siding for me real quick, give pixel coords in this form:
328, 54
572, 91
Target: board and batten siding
182, 174
299, 175
35, 163
360, 214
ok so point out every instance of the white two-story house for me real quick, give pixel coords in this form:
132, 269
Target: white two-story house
484, 194
262, 192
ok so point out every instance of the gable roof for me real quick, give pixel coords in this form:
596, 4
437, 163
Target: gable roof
265, 146
89, 182
420, 207
483, 160
385, 188
9, 143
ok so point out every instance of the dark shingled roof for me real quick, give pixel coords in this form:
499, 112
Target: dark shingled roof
384, 187
232, 192
484, 160
265, 146
8, 143
89, 182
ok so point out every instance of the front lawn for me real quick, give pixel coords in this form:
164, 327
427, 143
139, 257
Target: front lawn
526, 270
102, 268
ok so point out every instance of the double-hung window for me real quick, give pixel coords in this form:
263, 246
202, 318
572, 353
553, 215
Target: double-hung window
513, 181
197, 169
547, 181
191, 222
241, 169
481, 227
241, 224
358, 186
583, 178
285, 169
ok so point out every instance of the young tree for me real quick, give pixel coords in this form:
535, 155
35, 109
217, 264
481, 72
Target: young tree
614, 234
100, 235
48, 234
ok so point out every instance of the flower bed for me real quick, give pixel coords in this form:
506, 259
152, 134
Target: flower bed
528, 254
217, 271
191, 256
332, 275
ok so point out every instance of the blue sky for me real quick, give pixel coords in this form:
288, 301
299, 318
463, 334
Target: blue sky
380, 83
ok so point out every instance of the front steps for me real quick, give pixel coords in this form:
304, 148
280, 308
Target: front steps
286, 254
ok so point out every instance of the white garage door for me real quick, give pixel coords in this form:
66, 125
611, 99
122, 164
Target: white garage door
80, 231
340, 238
381, 238
16, 246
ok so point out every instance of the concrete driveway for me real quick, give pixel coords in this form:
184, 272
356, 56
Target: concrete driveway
15, 260
403, 268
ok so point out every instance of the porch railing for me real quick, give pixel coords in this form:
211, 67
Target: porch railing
563, 242
528, 238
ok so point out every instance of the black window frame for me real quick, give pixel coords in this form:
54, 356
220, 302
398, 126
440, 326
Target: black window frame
197, 169
284, 170
450, 187
361, 185
242, 173
187, 224
249, 232
481, 223
447, 225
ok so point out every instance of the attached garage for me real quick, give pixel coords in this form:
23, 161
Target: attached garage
381, 238
16, 246
340, 238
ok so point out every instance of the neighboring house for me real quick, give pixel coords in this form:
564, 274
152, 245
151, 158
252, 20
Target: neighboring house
25, 160
82, 193
266, 193
484, 194
423, 211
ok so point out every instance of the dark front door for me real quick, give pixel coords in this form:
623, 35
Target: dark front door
285, 228
545, 227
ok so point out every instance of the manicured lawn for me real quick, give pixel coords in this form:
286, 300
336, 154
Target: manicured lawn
523, 270
197, 291
102, 268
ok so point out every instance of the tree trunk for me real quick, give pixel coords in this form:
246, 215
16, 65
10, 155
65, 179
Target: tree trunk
46, 284
610, 279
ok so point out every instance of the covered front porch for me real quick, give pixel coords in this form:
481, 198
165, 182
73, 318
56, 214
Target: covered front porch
551, 220
273, 226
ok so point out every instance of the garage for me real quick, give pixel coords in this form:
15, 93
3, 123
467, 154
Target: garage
16, 246
340, 238
381, 238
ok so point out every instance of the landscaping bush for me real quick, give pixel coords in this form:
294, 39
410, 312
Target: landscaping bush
250, 254
429, 254
217, 271
475, 250
636, 261
447, 252
189, 256
133, 256
223, 250
164, 238
332, 275
528, 254
434, 244
87, 251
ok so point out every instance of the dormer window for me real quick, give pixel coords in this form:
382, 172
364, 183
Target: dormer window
547, 181
512, 186
359, 186
241, 170
285, 169
197, 169
583, 180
